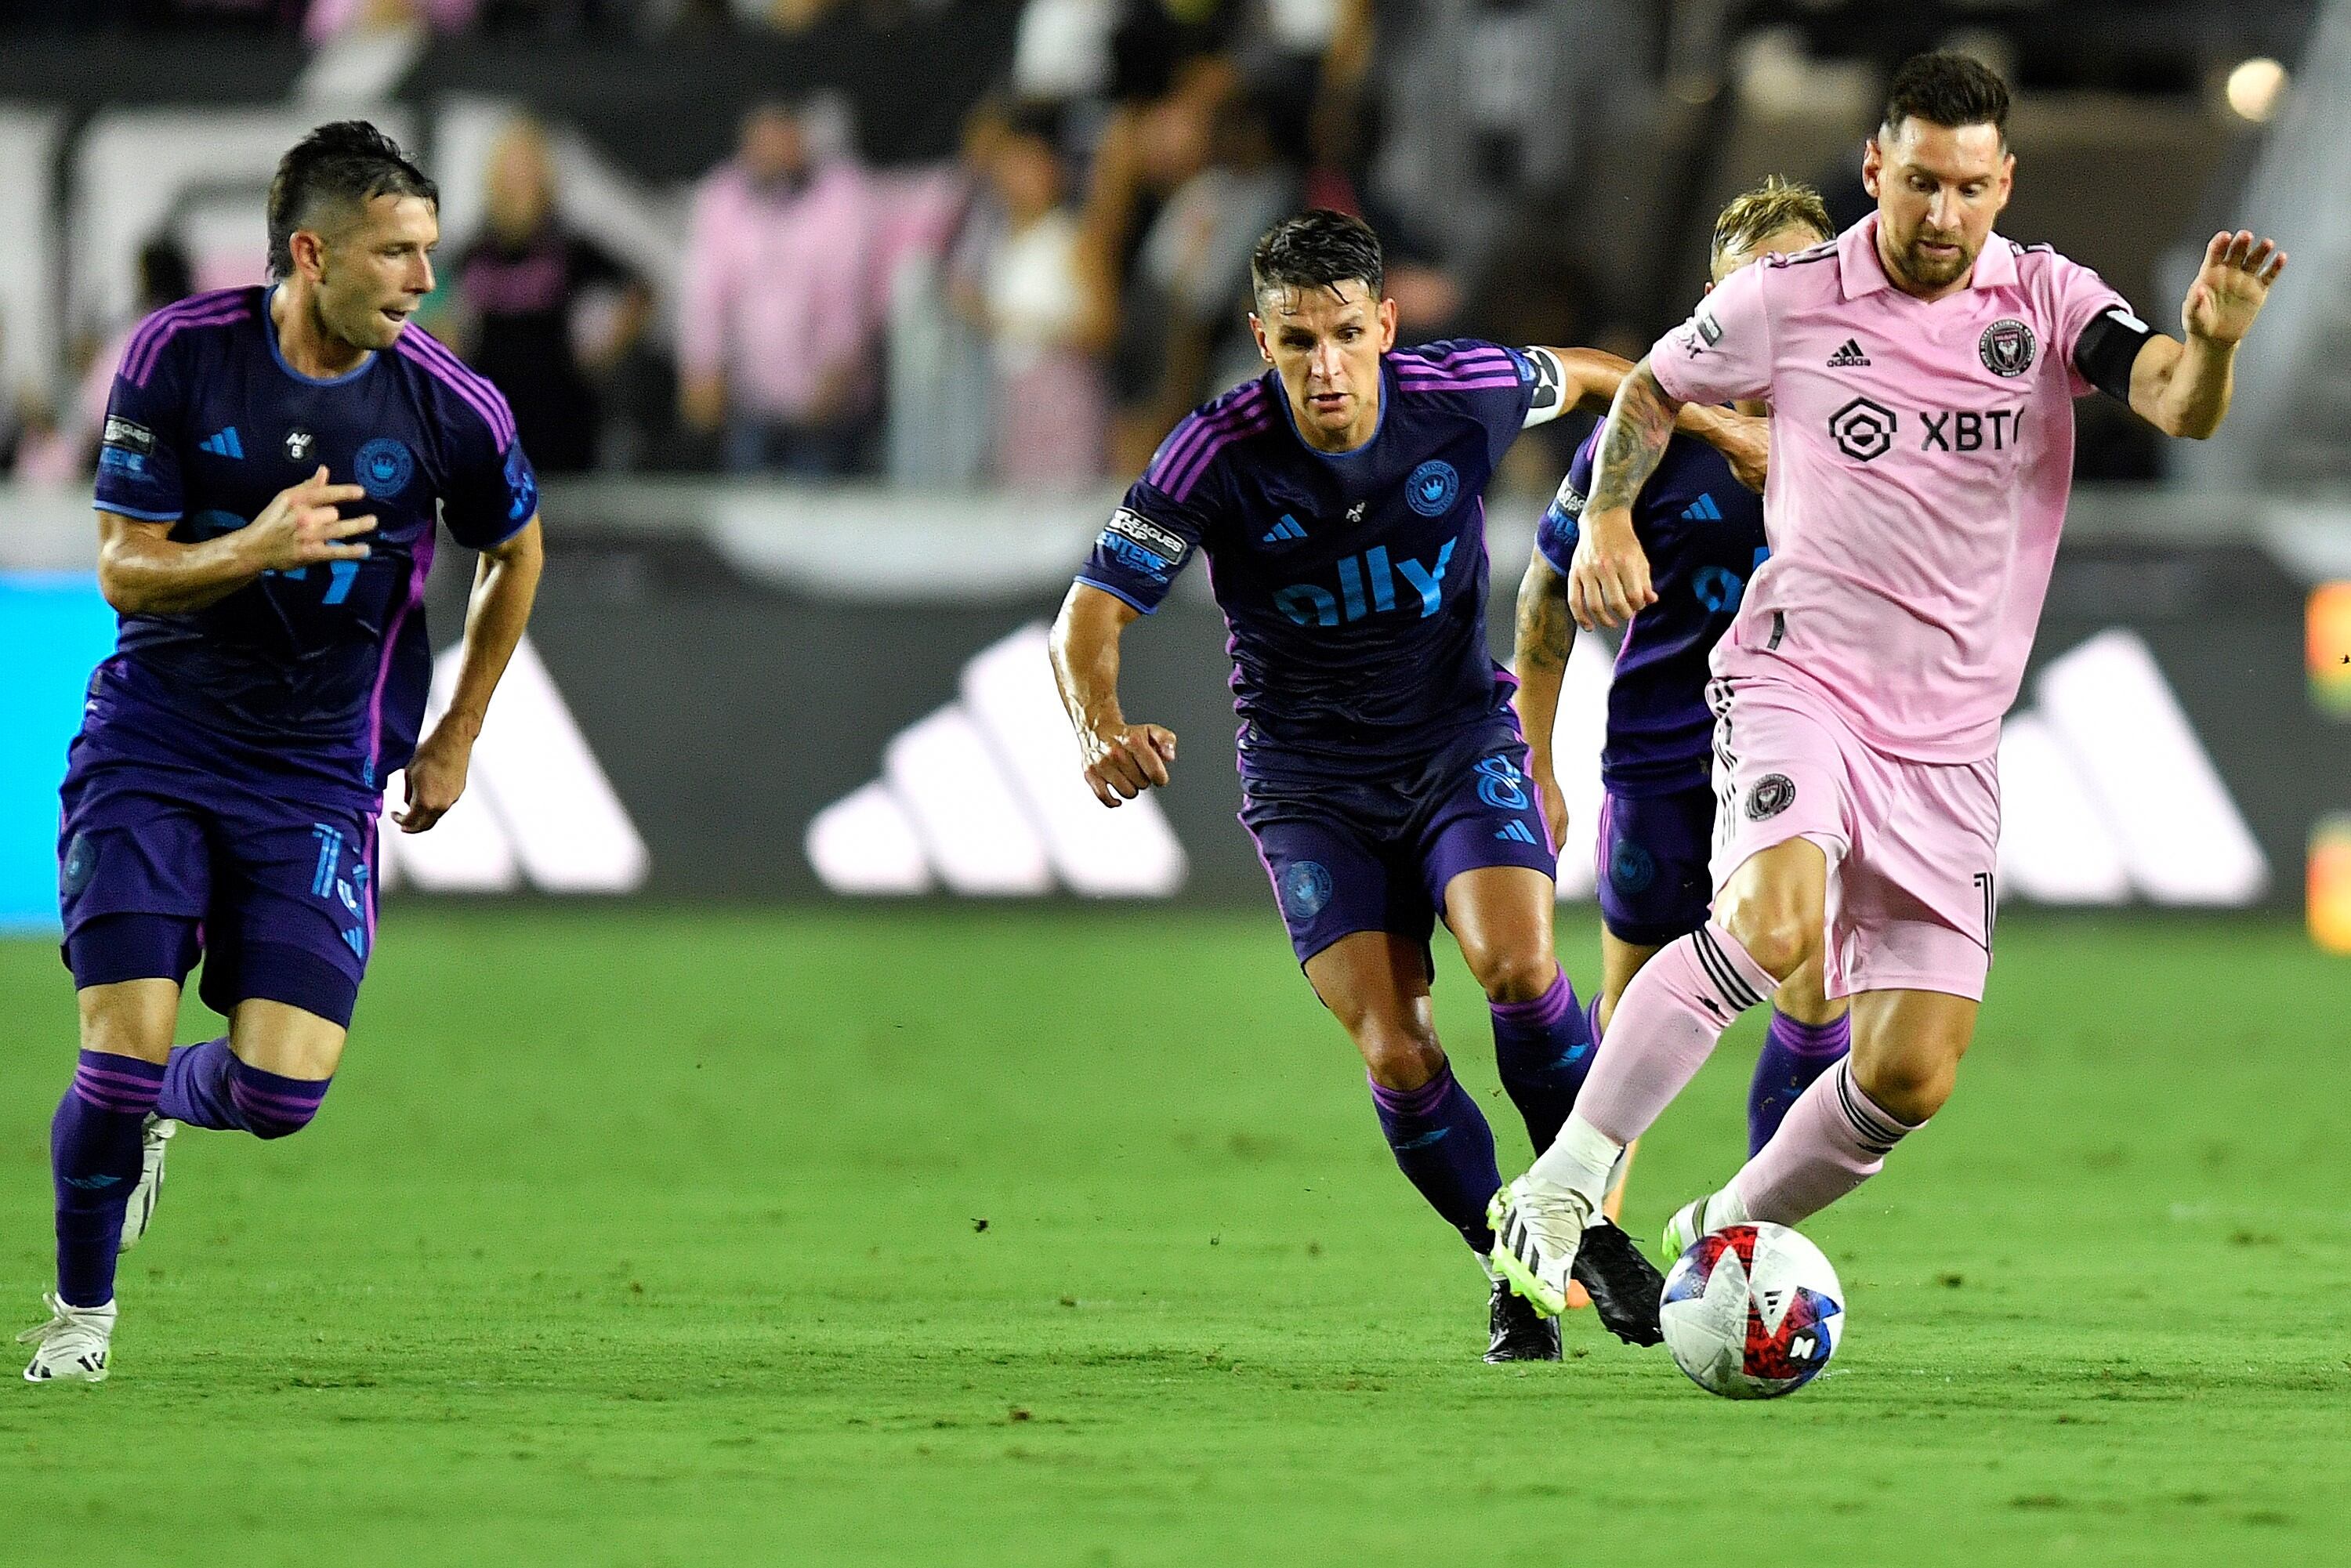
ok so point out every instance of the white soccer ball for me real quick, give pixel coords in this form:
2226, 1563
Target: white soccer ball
1752, 1312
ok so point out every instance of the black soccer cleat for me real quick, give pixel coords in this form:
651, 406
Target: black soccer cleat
1622, 1284
1520, 1332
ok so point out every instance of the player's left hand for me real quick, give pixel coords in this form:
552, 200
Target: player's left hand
434, 777
2231, 287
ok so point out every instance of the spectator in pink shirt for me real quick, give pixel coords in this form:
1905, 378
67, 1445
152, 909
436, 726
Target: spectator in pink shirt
780, 310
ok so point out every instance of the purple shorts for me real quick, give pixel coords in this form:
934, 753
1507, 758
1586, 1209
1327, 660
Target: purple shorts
1353, 855
158, 863
1651, 862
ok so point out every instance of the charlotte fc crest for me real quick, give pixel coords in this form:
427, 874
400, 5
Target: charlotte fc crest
2006, 346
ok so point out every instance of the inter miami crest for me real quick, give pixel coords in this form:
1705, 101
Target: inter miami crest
2006, 346
298, 442
1772, 794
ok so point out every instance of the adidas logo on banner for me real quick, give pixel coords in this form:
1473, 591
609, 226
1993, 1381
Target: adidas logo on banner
537, 805
222, 444
1286, 531
1517, 833
1849, 356
1702, 510
2106, 792
984, 796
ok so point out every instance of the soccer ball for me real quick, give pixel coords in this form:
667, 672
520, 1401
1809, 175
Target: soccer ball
1752, 1312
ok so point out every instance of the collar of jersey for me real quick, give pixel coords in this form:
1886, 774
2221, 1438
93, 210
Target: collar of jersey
1387, 396
269, 331
1860, 270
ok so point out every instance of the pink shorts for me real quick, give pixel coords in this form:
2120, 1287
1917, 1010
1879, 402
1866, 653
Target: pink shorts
1912, 846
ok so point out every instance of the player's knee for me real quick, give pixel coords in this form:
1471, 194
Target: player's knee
270, 1106
1779, 934
1400, 1059
1912, 1085
1514, 974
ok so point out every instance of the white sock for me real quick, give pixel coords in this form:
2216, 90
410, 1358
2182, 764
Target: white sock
1581, 1159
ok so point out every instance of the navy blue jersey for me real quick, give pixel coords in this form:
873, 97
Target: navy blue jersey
320, 671
1703, 531
1354, 583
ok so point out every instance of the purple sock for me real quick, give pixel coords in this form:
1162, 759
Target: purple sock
206, 1086
94, 1159
1543, 1048
1793, 1055
1444, 1147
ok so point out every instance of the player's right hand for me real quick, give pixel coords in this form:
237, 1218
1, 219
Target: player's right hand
1608, 580
300, 526
1554, 804
1124, 760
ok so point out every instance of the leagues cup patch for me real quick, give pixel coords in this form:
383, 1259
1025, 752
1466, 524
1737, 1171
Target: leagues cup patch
1159, 541
1772, 794
128, 436
2006, 346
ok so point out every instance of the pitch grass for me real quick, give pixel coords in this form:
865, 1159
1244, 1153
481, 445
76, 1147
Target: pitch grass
993, 1237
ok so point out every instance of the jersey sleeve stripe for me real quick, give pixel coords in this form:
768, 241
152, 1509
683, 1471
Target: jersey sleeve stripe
1178, 448
1482, 383
121, 510
147, 346
479, 395
1120, 594
1197, 466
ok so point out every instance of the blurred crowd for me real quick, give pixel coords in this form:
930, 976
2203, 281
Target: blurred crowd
1040, 310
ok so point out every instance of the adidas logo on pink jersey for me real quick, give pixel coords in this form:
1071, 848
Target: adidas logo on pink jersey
1849, 356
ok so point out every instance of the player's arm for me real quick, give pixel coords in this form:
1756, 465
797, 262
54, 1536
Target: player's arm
1546, 636
1610, 578
2183, 387
1588, 379
506, 584
1121, 760
142, 571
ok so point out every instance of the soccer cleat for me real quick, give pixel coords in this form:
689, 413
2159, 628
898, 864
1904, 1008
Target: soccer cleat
1518, 1331
1695, 1218
1625, 1287
141, 1212
72, 1346
1537, 1226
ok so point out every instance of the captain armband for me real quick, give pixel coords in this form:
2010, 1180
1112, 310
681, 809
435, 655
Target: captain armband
1550, 387
2108, 347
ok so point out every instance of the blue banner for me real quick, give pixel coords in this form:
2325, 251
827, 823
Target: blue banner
53, 629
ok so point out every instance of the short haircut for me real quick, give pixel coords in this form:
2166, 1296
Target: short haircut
1754, 216
1946, 90
348, 163
1317, 249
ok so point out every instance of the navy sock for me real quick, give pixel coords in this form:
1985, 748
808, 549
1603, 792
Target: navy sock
1793, 1055
195, 1086
206, 1086
1543, 1048
1443, 1145
94, 1161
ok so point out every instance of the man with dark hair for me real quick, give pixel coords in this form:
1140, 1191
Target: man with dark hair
1921, 372
1338, 500
270, 674
1703, 531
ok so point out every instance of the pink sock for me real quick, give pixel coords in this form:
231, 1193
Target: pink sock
1668, 1022
1835, 1138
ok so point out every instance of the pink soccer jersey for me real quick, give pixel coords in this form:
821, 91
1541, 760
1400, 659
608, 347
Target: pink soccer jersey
1921, 456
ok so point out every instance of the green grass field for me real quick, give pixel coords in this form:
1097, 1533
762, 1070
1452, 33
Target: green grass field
995, 1237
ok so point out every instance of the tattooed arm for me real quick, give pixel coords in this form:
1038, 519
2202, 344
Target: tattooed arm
1610, 580
1546, 636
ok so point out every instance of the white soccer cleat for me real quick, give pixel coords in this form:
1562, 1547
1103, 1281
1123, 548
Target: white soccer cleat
153, 1141
1700, 1217
72, 1346
1538, 1226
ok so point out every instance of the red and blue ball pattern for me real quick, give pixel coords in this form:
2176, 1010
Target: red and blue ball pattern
1752, 1312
